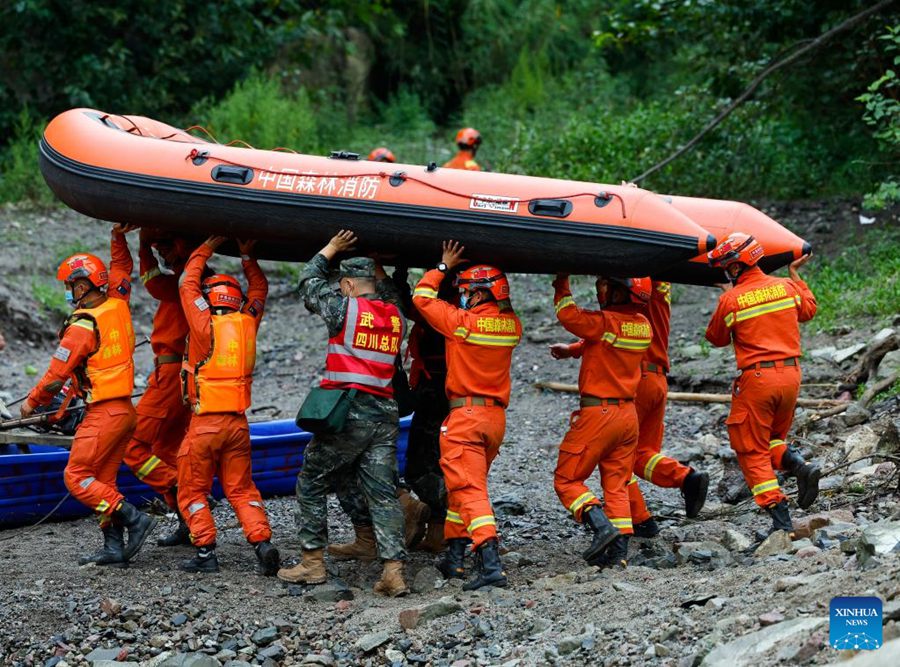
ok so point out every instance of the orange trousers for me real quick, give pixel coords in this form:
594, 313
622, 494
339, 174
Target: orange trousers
219, 445
96, 455
162, 421
470, 440
604, 437
762, 410
649, 463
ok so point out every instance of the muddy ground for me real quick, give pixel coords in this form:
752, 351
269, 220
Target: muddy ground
686, 596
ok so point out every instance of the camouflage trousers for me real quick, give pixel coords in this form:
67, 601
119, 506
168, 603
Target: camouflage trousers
423, 454
360, 463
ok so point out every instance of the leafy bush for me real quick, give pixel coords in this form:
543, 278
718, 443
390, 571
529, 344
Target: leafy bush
20, 175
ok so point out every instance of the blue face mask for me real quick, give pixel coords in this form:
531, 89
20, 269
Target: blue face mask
464, 301
70, 298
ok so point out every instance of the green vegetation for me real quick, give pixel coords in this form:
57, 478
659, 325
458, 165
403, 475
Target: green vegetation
863, 281
50, 296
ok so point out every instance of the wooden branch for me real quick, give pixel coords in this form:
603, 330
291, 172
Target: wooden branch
689, 397
796, 55
876, 389
865, 367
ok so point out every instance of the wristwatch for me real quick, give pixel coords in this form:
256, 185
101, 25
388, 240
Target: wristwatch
443, 267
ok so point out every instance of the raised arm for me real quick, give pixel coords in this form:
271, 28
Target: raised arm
257, 285
196, 308
160, 286
580, 322
120, 265
807, 298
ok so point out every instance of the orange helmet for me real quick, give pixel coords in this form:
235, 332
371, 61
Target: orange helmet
223, 291
382, 154
469, 138
737, 247
638, 288
83, 265
485, 277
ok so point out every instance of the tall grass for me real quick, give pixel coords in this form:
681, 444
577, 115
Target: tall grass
20, 175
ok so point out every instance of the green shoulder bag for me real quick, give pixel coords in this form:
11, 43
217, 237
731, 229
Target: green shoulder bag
325, 410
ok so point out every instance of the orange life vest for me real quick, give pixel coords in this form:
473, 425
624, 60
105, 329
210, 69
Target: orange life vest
222, 381
362, 355
109, 371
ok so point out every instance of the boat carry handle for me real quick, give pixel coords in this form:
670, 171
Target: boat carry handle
228, 174
557, 208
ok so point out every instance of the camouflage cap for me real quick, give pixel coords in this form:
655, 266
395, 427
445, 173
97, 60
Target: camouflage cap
358, 267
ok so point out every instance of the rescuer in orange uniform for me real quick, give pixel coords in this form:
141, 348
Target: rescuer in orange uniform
480, 336
94, 353
760, 315
650, 403
217, 376
381, 154
468, 140
604, 432
162, 415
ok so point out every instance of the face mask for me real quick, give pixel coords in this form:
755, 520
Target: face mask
70, 298
464, 301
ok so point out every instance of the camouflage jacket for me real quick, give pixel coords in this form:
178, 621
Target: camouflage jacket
320, 296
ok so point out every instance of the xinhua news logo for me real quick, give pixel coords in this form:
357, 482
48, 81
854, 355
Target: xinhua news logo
855, 624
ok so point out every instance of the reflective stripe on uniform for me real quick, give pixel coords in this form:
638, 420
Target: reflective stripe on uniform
633, 480
84, 324
102, 506
632, 343
651, 466
150, 275
565, 302
763, 487
492, 340
256, 503
775, 443
621, 523
86, 482
148, 467
195, 507
454, 517
425, 293
357, 378
581, 501
481, 522
462, 332
368, 355
762, 309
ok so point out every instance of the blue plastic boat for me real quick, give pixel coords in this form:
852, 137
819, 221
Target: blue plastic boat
32, 484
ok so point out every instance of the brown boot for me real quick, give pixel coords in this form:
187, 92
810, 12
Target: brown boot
434, 538
310, 570
392, 583
362, 548
415, 514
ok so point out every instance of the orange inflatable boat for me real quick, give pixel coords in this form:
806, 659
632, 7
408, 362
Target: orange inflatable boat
720, 218
137, 170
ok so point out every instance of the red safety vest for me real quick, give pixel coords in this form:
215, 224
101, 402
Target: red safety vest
362, 355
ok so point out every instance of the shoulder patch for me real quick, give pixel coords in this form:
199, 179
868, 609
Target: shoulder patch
201, 303
62, 353
124, 287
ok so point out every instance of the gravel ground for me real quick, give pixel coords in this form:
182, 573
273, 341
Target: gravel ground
692, 589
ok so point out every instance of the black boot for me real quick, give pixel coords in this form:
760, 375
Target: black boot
781, 517
604, 532
204, 561
647, 528
694, 489
112, 552
138, 525
182, 534
452, 563
807, 474
268, 557
616, 553
490, 571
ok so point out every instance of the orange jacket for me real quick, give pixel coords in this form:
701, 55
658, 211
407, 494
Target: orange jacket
479, 341
615, 341
80, 341
170, 328
659, 312
243, 327
761, 316
463, 160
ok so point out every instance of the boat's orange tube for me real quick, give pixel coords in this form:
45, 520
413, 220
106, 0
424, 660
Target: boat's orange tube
721, 218
137, 170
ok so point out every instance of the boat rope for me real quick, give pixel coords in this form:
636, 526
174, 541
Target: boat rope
403, 176
35, 525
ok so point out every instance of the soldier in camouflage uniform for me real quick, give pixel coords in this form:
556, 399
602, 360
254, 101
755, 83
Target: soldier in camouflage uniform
366, 447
